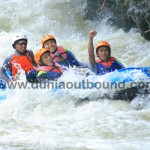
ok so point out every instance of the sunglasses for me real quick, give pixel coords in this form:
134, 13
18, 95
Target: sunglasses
22, 43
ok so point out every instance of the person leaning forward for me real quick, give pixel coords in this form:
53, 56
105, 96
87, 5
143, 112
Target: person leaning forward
47, 69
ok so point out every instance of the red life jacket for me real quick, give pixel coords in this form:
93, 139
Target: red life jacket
54, 68
59, 55
107, 63
25, 61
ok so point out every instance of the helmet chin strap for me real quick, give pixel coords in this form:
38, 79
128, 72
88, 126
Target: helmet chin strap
41, 63
21, 52
54, 51
106, 59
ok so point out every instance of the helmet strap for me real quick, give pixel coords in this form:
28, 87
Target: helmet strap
41, 63
54, 51
20, 52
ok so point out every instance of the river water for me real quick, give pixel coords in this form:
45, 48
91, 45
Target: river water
43, 119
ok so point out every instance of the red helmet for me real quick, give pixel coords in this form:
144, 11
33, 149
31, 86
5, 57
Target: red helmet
46, 38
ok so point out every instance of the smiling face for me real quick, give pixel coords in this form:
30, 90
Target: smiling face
103, 53
21, 46
51, 45
46, 59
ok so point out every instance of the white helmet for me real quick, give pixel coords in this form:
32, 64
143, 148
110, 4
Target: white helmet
18, 38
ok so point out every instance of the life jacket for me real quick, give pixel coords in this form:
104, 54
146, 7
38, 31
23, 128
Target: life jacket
23, 61
49, 72
64, 57
60, 54
107, 66
55, 68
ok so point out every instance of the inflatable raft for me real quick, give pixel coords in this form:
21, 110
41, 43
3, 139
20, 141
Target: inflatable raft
133, 81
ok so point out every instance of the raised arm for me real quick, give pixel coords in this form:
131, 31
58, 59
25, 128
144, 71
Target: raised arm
92, 34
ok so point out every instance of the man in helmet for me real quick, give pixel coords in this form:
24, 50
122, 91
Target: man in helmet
62, 56
105, 63
21, 59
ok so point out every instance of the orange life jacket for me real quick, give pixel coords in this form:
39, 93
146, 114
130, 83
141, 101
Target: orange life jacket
106, 63
103, 67
25, 62
54, 68
59, 55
